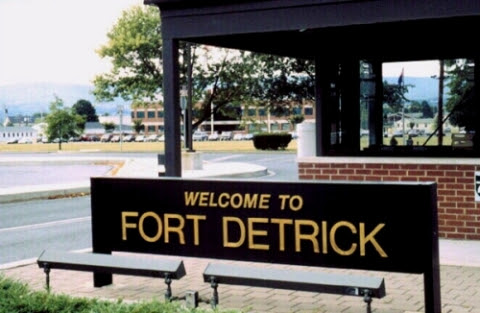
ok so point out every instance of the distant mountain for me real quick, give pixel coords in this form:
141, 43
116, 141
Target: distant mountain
32, 98
26, 99
423, 88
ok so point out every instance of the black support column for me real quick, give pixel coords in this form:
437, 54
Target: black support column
322, 131
173, 157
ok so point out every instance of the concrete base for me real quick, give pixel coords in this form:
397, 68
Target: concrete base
192, 161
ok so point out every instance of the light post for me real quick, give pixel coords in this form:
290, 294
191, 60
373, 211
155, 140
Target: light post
120, 113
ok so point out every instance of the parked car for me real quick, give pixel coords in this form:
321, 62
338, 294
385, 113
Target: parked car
151, 138
199, 136
106, 137
237, 137
213, 137
140, 138
248, 137
226, 136
12, 141
129, 138
115, 138
25, 140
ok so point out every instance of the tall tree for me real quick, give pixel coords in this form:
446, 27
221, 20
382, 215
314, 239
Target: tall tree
222, 78
86, 109
464, 112
394, 95
134, 47
62, 122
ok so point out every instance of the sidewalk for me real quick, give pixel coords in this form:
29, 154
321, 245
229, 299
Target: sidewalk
460, 268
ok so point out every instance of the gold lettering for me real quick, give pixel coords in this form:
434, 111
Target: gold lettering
203, 201
264, 201
126, 225
177, 229
311, 237
236, 201
281, 230
371, 238
252, 233
221, 202
250, 201
333, 241
159, 227
324, 238
283, 198
225, 231
212, 203
190, 198
196, 230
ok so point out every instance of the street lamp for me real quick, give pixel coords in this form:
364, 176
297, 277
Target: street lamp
120, 113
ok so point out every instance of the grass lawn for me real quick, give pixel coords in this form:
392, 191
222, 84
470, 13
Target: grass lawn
133, 146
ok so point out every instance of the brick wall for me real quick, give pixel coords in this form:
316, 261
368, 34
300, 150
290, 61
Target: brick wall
458, 213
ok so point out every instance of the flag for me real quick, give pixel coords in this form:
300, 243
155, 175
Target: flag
400, 79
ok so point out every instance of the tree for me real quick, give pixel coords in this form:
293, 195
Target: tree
394, 95
62, 122
85, 108
134, 47
464, 112
427, 111
109, 126
138, 126
223, 79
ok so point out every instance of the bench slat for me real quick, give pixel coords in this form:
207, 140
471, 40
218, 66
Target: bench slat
115, 264
296, 280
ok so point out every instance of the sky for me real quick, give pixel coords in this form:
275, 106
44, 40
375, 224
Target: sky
412, 69
55, 40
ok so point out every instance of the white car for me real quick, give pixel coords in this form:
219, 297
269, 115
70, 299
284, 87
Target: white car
238, 137
140, 138
199, 136
226, 136
25, 140
213, 137
151, 138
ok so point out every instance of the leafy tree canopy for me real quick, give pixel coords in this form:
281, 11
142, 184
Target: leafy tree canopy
62, 122
394, 95
134, 48
460, 103
85, 108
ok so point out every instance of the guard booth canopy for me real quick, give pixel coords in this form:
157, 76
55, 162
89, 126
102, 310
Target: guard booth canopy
348, 41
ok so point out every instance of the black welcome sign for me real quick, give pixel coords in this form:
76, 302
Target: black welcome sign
373, 226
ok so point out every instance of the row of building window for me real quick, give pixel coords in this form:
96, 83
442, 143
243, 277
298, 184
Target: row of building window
307, 111
13, 135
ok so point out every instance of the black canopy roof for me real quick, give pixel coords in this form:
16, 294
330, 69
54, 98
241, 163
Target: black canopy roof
386, 29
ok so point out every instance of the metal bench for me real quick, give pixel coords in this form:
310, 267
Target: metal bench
342, 284
114, 264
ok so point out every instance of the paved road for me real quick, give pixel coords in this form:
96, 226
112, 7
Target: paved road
26, 228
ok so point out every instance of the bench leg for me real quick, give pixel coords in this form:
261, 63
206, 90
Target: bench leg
367, 298
168, 292
214, 285
46, 270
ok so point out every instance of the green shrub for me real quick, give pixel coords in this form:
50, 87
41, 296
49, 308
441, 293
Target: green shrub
17, 297
275, 141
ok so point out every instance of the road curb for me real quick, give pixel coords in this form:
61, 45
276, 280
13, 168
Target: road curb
42, 192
